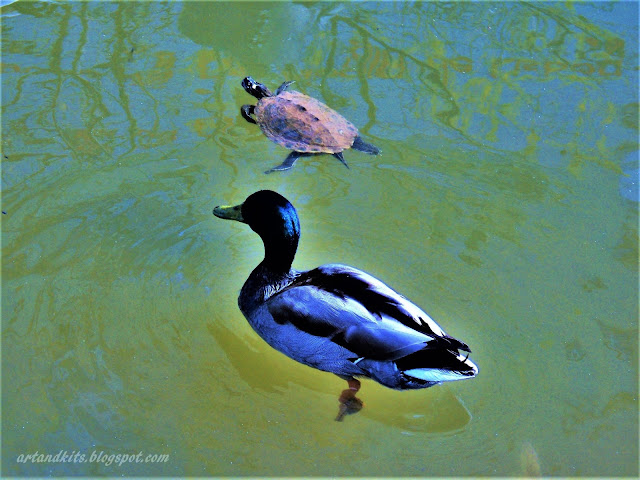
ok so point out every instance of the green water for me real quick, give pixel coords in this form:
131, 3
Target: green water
504, 203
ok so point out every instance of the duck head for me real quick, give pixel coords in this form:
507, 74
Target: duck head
272, 217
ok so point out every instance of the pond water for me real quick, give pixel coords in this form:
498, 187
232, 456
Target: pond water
504, 203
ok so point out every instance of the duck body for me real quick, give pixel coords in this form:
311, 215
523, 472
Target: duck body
342, 320
337, 318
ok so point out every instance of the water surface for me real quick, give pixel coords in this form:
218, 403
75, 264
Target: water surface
504, 203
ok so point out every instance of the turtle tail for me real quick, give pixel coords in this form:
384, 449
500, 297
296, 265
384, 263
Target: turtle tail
360, 145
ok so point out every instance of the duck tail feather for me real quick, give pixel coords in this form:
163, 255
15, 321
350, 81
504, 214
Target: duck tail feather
441, 359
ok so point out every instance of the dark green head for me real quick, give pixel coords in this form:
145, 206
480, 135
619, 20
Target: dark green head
272, 217
256, 89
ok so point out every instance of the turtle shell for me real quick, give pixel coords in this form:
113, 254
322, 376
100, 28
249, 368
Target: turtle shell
301, 123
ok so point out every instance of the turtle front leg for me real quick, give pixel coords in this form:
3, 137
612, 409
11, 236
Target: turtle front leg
289, 161
283, 87
247, 111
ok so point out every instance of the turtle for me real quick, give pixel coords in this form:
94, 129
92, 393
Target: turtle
301, 123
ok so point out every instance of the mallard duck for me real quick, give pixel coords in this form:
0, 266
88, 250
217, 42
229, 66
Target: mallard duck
337, 318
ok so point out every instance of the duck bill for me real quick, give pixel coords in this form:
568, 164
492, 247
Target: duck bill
229, 212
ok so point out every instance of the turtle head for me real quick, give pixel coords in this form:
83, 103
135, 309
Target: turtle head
256, 89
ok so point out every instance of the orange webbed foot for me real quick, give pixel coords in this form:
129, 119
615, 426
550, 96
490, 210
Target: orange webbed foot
349, 403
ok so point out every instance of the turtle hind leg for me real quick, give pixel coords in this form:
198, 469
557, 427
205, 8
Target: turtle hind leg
247, 111
289, 161
360, 145
339, 156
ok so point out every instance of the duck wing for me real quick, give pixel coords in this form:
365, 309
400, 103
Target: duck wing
358, 312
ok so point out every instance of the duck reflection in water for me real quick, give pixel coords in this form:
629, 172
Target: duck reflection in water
337, 318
